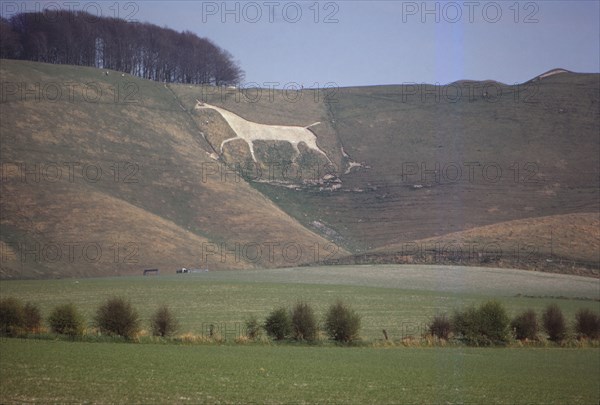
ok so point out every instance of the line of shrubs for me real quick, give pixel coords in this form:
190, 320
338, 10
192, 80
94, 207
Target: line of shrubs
485, 325
117, 317
341, 323
489, 324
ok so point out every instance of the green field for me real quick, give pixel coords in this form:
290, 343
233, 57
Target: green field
46, 372
400, 299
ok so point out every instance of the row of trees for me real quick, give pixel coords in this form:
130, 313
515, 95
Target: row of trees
139, 49
489, 324
340, 323
115, 317
485, 325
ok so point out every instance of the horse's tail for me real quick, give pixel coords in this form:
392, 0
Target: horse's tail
312, 125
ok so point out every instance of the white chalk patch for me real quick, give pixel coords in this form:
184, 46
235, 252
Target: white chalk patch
251, 131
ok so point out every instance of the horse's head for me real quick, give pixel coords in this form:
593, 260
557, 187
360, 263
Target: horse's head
201, 105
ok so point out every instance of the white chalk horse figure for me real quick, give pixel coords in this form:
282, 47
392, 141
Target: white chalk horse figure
251, 131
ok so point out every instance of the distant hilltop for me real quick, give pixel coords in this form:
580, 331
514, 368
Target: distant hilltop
551, 72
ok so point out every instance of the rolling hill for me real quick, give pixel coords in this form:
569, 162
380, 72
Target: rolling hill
115, 185
110, 174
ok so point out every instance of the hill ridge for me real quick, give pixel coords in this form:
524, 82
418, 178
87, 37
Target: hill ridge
423, 166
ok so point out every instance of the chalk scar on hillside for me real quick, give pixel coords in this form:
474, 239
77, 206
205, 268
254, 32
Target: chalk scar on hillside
252, 131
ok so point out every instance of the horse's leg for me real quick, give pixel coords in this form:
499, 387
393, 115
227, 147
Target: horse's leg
312, 144
228, 140
248, 142
295, 146
251, 145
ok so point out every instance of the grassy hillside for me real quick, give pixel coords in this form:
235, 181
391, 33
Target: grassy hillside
105, 174
559, 243
437, 164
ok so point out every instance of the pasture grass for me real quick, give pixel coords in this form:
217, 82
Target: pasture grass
400, 299
53, 371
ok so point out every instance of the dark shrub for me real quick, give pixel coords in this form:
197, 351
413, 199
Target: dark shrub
32, 318
587, 324
465, 325
525, 325
440, 327
494, 322
485, 325
342, 323
253, 328
12, 321
278, 324
554, 323
304, 323
117, 317
163, 322
66, 320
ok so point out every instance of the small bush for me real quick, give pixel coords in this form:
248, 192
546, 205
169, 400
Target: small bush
66, 320
554, 323
525, 325
32, 318
342, 324
482, 326
278, 324
304, 323
440, 327
117, 317
465, 325
163, 322
494, 322
253, 328
12, 321
587, 324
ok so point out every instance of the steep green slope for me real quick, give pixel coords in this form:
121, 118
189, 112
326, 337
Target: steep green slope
138, 169
106, 173
433, 163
